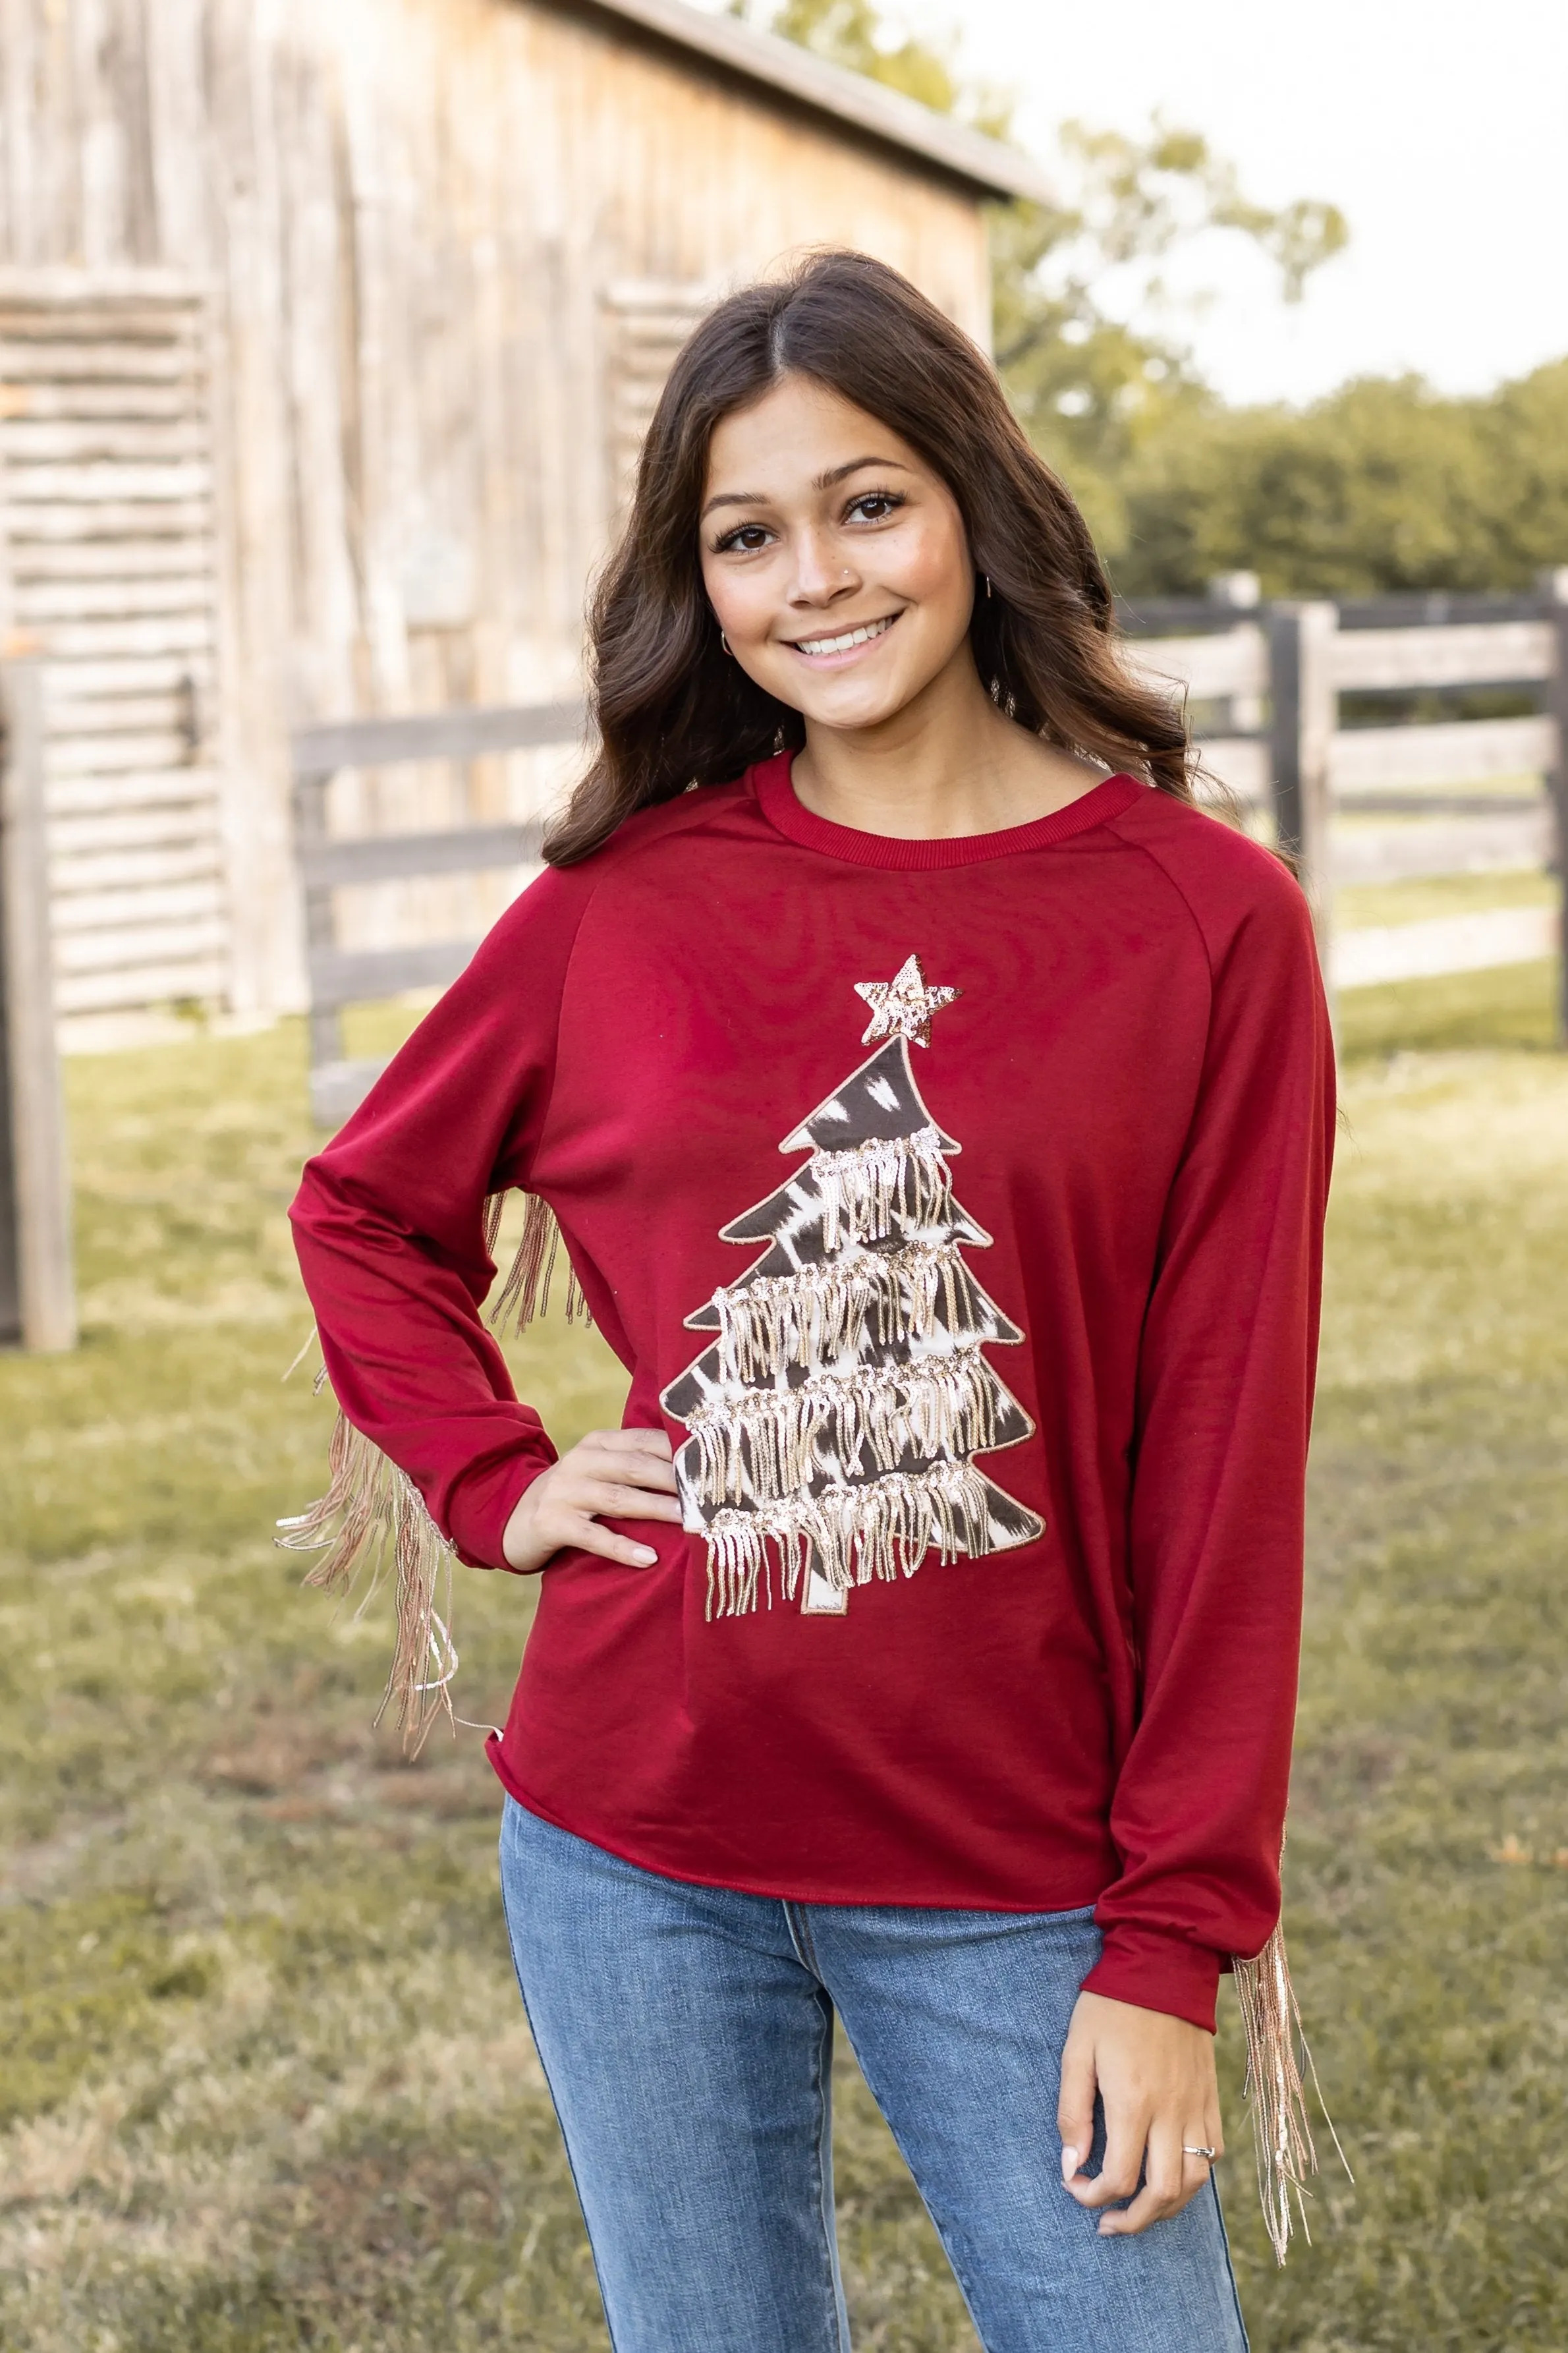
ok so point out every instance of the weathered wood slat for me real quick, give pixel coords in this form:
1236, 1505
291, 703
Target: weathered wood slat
1369, 759
118, 441
1231, 661
157, 635
169, 906
178, 826
113, 519
115, 867
137, 401
141, 674
148, 976
162, 788
116, 754
1474, 654
362, 975
456, 735
164, 714
111, 558
132, 943
138, 947
36, 602
381, 858
94, 482
59, 359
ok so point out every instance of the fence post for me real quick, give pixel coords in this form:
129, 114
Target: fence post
1305, 704
37, 1289
1555, 587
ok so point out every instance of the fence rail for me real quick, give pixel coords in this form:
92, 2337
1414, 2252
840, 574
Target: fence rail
1264, 683
338, 977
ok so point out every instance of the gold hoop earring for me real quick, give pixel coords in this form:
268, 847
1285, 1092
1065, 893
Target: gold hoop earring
724, 641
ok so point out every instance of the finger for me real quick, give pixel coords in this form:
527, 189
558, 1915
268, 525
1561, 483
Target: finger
587, 1536
1118, 2177
1164, 2192
1075, 2105
633, 1441
617, 1502
641, 1469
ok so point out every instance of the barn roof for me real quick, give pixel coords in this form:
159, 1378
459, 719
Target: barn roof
882, 115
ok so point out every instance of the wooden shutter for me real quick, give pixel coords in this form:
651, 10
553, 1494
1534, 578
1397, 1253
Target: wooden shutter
107, 554
648, 321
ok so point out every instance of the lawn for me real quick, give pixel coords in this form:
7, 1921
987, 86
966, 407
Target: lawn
266, 2086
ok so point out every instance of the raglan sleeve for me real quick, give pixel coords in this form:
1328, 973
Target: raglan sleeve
1224, 1399
389, 1226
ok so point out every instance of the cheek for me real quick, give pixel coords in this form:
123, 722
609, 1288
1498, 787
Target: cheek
931, 567
742, 601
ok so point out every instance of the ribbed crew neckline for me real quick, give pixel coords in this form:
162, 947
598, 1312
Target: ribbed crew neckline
776, 798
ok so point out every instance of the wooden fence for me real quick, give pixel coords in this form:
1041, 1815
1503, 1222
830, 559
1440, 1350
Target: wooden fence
1265, 685
38, 1296
338, 977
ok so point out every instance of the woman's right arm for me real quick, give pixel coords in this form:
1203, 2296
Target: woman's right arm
389, 1224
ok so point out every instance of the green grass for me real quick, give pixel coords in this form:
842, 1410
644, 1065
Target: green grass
266, 2086
1362, 904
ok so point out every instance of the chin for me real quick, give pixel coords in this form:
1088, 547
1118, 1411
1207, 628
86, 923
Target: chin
858, 710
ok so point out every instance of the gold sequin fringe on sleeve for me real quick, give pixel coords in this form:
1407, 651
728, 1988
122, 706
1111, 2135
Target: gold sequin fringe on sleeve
1276, 2093
525, 1294
370, 1518
373, 1517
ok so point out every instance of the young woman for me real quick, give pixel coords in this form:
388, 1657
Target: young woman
922, 1648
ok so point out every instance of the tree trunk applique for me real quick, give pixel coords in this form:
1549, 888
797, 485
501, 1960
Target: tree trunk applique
837, 1412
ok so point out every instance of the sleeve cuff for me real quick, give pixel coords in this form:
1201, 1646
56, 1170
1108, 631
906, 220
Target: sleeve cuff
484, 1500
1156, 1971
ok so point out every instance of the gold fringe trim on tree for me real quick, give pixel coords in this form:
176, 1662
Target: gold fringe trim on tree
863, 1188
848, 1533
762, 1445
1276, 2095
823, 1311
372, 1516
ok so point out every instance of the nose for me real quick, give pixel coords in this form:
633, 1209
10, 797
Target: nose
821, 575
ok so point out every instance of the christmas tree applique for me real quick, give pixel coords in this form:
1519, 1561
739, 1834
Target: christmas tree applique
835, 1415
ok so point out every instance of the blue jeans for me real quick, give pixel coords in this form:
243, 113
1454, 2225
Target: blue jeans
686, 2036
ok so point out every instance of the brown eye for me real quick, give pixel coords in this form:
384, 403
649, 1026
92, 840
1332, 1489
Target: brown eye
875, 506
747, 540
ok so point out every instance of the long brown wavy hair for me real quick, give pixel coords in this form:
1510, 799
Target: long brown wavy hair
670, 710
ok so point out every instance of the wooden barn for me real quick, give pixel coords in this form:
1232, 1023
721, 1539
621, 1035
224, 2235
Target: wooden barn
327, 330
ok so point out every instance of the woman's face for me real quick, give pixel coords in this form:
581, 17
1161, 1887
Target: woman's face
836, 561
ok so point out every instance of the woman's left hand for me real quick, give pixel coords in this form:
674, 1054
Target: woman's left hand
1155, 2076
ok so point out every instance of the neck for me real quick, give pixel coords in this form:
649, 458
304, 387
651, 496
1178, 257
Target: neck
948, 763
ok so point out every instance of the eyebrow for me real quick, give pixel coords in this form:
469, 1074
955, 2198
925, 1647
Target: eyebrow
819, 482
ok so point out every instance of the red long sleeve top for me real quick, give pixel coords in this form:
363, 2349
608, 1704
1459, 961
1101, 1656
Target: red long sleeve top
1082, 1692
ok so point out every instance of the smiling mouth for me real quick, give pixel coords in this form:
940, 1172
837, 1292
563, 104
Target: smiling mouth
847, 639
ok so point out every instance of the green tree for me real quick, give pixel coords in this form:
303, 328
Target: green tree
1384, 485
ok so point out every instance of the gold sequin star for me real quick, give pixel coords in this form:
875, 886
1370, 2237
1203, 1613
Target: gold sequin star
903, 1007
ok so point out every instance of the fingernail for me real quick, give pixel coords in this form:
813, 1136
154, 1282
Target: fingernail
1069, 2162
647, 1555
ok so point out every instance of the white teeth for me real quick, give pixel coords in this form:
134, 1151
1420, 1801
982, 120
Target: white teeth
850, 638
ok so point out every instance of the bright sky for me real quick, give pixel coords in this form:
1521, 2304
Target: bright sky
1439, 127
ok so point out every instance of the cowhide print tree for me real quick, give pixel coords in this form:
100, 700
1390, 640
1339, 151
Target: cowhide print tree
835, 1413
